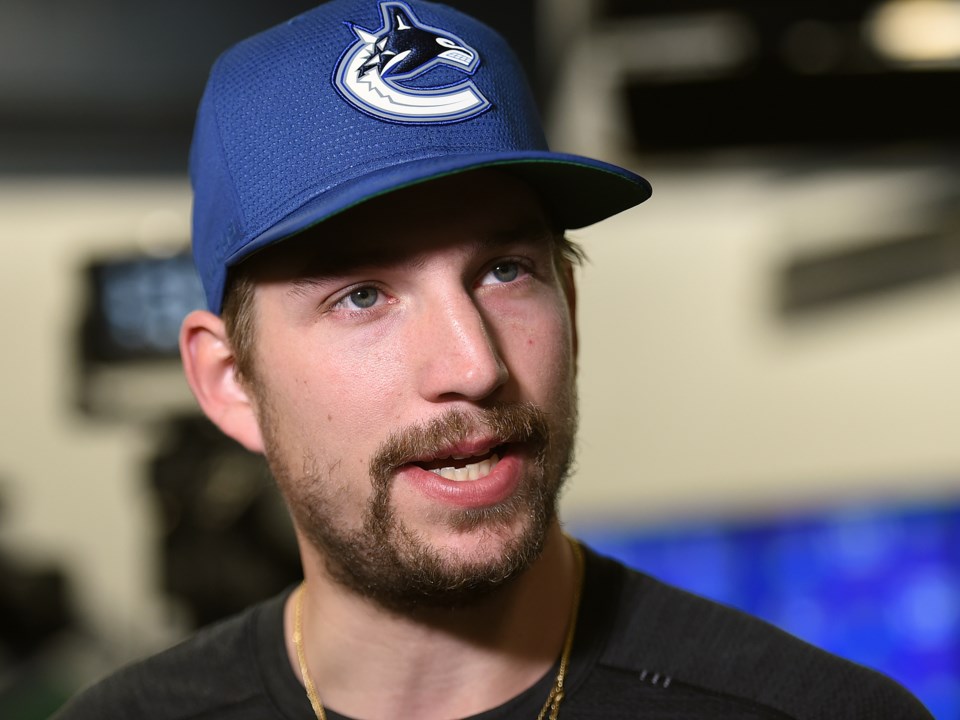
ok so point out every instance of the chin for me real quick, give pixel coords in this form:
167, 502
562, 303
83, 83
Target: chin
411, 568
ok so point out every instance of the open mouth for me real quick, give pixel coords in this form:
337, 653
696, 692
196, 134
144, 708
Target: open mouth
463, 468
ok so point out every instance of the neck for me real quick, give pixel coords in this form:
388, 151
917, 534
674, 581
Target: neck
369, 662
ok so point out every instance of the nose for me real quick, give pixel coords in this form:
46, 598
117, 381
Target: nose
459, 356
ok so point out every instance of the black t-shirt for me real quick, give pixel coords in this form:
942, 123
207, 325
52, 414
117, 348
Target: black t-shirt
642, 650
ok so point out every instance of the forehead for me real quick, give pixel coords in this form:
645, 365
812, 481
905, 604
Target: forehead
481, 208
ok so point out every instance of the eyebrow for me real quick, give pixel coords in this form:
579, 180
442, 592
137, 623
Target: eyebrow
321, 268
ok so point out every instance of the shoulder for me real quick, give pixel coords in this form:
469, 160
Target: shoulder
701, 643
210, 672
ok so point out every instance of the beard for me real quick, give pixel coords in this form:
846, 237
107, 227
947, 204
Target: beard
386, 561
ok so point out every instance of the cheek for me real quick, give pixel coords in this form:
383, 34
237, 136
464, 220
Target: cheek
343, 395
542, 355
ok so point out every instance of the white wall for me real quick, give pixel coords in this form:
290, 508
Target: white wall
698, 397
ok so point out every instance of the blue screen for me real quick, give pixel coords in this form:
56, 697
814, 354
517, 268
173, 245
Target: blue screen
879, 585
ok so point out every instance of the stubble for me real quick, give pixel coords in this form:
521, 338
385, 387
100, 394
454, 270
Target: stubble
390, 563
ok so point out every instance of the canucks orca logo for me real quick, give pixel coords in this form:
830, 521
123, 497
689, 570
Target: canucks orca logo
373, 71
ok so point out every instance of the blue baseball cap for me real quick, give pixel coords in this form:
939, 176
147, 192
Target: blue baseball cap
358, 98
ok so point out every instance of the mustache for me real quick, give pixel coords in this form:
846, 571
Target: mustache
508, 422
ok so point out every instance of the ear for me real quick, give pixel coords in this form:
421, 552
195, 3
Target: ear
211, 371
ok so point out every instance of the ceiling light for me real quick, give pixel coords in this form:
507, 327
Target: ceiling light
917, 31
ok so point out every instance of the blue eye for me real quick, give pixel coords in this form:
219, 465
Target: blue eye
363, 298
506, 271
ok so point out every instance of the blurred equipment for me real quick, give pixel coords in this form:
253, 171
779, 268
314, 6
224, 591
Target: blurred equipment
33, 608
137, 305
130, 362
899, 231
34, 615
227, 538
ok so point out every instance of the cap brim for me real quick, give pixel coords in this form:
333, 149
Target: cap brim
576, 191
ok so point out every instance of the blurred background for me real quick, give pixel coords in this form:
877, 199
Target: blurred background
769, 347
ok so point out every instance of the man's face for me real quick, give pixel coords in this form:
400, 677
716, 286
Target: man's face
414, 383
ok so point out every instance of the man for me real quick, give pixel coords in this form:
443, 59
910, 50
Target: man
379, 229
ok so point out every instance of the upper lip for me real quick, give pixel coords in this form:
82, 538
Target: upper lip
463, 449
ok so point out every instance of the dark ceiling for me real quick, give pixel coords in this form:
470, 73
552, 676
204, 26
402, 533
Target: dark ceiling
112, 85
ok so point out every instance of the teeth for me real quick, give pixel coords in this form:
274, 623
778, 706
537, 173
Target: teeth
472, 471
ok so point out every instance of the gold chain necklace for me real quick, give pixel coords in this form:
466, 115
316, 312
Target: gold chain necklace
550, 708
